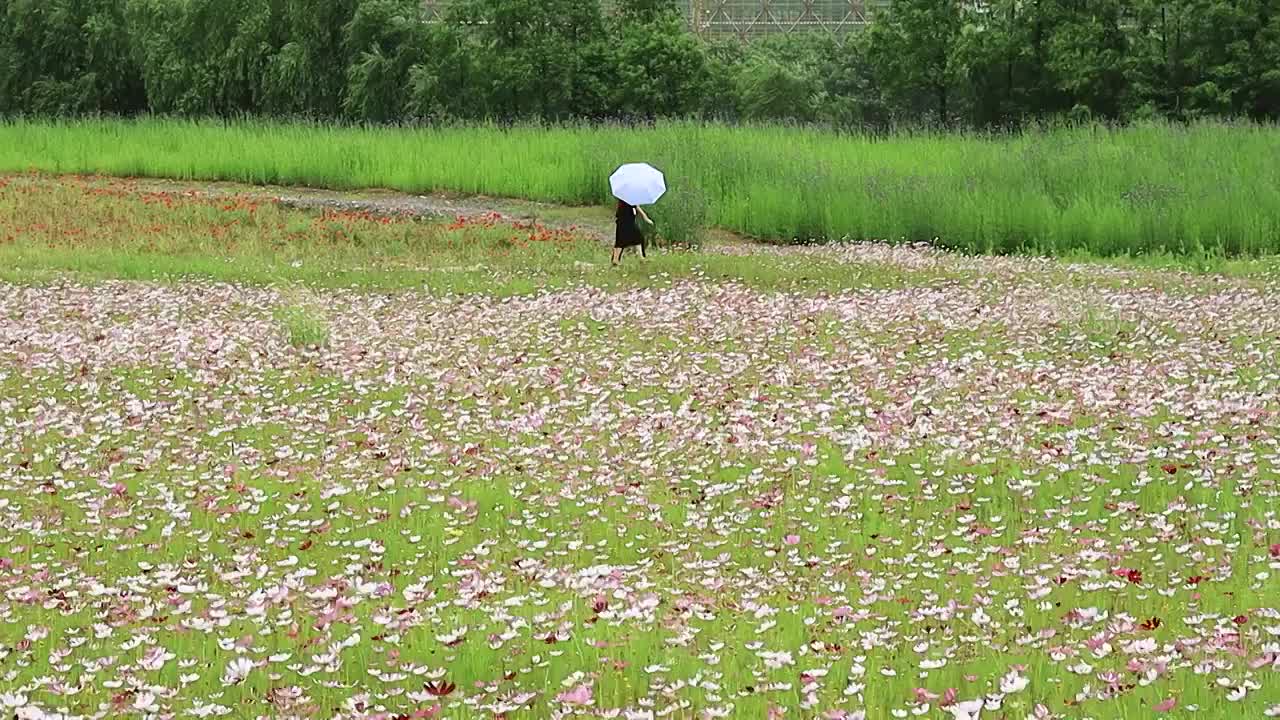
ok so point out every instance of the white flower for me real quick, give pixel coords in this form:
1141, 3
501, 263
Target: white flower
1013, 682
967, 710
237, 670
155, 658
203, 711
12, 700
776, 660
1145, 646
145, 702
454, 637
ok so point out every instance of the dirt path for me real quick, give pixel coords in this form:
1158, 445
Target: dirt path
593, 221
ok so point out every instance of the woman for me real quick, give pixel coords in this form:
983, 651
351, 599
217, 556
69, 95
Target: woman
628, 232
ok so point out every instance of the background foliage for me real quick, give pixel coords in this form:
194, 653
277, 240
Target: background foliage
1000, 64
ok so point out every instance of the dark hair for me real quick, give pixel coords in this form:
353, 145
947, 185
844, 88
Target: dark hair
623, 204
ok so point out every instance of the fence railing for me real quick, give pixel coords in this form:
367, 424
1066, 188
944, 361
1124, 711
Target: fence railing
747, 18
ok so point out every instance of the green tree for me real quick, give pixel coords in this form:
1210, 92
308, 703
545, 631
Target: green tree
780, 78
851, 93
1088, 56
1001, 50
308, 74
63, 57
195, 62
539, 58
386, 39
655, 67
1264, 71
1206, 57
915, 48
648, 10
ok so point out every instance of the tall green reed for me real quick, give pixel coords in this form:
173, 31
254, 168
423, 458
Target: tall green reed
1209, 188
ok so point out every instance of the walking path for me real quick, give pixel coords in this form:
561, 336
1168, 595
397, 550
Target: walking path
592, 221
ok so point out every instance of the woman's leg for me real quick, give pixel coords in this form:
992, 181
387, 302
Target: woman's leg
617, 255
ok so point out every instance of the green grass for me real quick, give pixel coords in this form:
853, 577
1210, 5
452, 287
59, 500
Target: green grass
1201, 190
97, 230
304, 327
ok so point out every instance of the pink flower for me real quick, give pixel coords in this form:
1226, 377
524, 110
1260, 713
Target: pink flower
923, 695
792, 539
1166, 706
1263, 661
580, 695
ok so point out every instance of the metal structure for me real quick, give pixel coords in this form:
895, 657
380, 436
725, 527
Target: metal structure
750, 18
747, 18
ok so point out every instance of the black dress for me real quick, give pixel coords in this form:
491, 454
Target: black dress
628, 231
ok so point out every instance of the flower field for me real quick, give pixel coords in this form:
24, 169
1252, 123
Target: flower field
256, 462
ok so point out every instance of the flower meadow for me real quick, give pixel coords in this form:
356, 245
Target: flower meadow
856, 482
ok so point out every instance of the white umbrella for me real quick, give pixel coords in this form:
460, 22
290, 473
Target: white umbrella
638, 184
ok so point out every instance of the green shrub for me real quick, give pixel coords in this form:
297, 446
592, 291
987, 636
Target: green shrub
680, 218
304, 328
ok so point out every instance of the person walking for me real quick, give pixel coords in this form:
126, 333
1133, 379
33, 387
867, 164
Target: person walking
627, 231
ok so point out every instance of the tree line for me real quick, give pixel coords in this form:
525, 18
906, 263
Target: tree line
998, 63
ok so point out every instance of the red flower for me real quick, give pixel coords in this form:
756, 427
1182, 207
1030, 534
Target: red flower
1240, 619
1132, 575
439, 688
1169, 468
1151, 624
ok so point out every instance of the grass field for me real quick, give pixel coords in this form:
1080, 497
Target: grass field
1200, 190
261, 462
